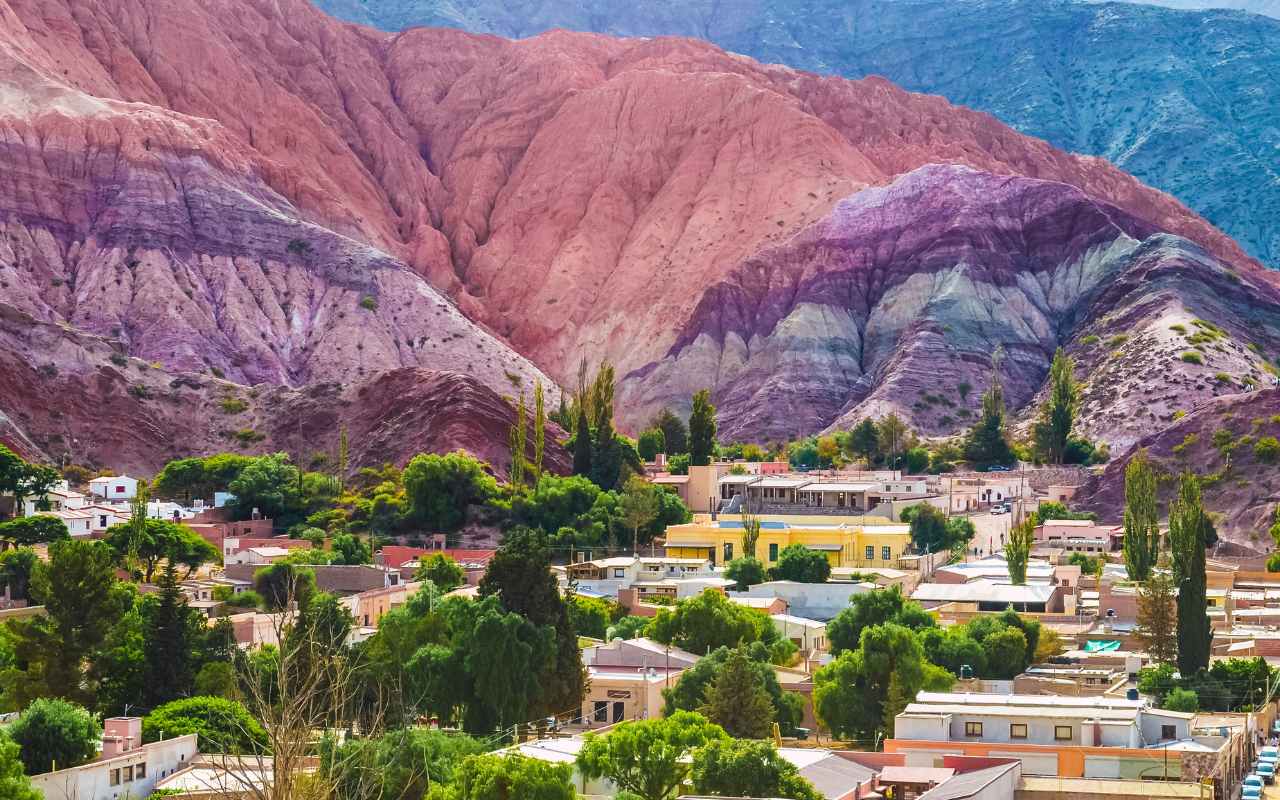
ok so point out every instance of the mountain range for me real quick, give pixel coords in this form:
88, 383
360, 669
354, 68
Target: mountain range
1189, 102
244, 224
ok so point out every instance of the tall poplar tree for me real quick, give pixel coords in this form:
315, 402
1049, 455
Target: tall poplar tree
539, 430
1017, 550
518, 441
986, 443
702, 429
1053, 430
582, 443
1188, 527
1141, 523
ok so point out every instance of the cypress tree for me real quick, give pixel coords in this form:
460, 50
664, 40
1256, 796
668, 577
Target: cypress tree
1053, 430
1187, 531
1017, 550
539, 430
169, 645
737, 700
582, 443
702, 429
986, 443
1141, 524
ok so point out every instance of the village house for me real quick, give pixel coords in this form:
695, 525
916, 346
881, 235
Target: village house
845, 541
114, 489
1088, 737
59, 498
125, 768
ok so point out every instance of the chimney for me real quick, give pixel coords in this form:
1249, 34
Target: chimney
121, 735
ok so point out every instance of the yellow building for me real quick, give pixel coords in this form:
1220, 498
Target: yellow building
846, 541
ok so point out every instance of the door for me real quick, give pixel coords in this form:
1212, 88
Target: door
618, 711
601, 711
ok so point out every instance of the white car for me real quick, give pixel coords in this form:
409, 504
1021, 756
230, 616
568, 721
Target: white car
1000, 509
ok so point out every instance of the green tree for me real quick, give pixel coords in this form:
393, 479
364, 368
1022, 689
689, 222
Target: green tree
1157, 619
283, 583
1141, 520
986, 443
629, 627
494, 777
649, 758
517, 440
929, 529
709, 620
876, 607
37, 529
222, 725
747, 571
216, 679
702, 429
675, 435
400, 764
147, 542
956, 651
272, 485
441, 570
735, 768
173, 630
14, 783
1052, 431
640, 506
17, 565
798, 563
539, 430
690, 691
1017, 550
736, 701
348, 549
853, 695
864, 441
893, 435
589, 616
582, 443
519, 574
1187, 528
83, 602
1006, 653
650, 443
441, 488
1183, 700
55, 734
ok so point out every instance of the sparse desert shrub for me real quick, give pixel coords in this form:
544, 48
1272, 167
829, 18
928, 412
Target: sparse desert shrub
1267, 450
233, 405
369, 303
119, 359
1090, 340
1222, 377
1177, 328
140, 391
1192, 357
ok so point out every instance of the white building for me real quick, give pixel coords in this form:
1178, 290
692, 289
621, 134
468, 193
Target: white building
806, 634
114, 488
257, 555
59, 498
79, 522
937, 720
126, 768
815, 601
104, 516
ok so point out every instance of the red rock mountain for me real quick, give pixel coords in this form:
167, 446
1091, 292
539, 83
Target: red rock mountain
251, 189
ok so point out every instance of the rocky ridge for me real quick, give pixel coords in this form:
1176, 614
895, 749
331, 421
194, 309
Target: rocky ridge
1195, 110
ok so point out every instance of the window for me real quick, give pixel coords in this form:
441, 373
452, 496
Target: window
1062, 733
119, 490
973, 729
619, 572
114, 777
1018, 730
128, 774
140, 771
728, 552
884, 553
871, 553
773, 551
1168, 732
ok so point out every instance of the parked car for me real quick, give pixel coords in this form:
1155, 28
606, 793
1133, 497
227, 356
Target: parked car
1248, 792
1265, 770
1253, 780
1274, 752
998, 468
1000, 508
